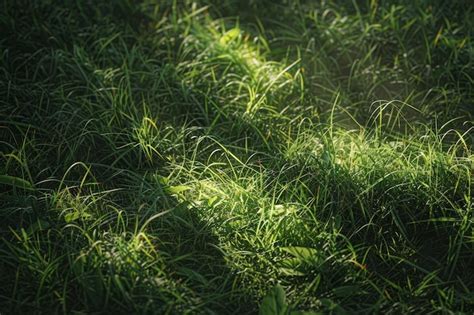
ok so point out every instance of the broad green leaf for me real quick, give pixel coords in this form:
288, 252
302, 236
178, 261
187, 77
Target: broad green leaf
291, 272
211, 201
72, 216
163, 180
274, 303
304, 254
177, 189
291, 262
229, 36
15, 182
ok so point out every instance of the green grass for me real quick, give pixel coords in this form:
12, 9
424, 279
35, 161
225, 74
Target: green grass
216, 156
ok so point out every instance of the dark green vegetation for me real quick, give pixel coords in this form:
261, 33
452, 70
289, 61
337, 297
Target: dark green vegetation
188, 157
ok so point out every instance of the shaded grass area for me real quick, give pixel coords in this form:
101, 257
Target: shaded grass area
186, 157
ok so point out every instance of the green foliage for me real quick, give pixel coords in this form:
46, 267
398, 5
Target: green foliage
15, 182
236, 157
274, 302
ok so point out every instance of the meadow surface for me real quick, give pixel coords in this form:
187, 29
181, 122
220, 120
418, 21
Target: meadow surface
237, 157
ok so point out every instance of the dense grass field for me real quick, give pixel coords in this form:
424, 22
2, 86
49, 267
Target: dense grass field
237, 157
